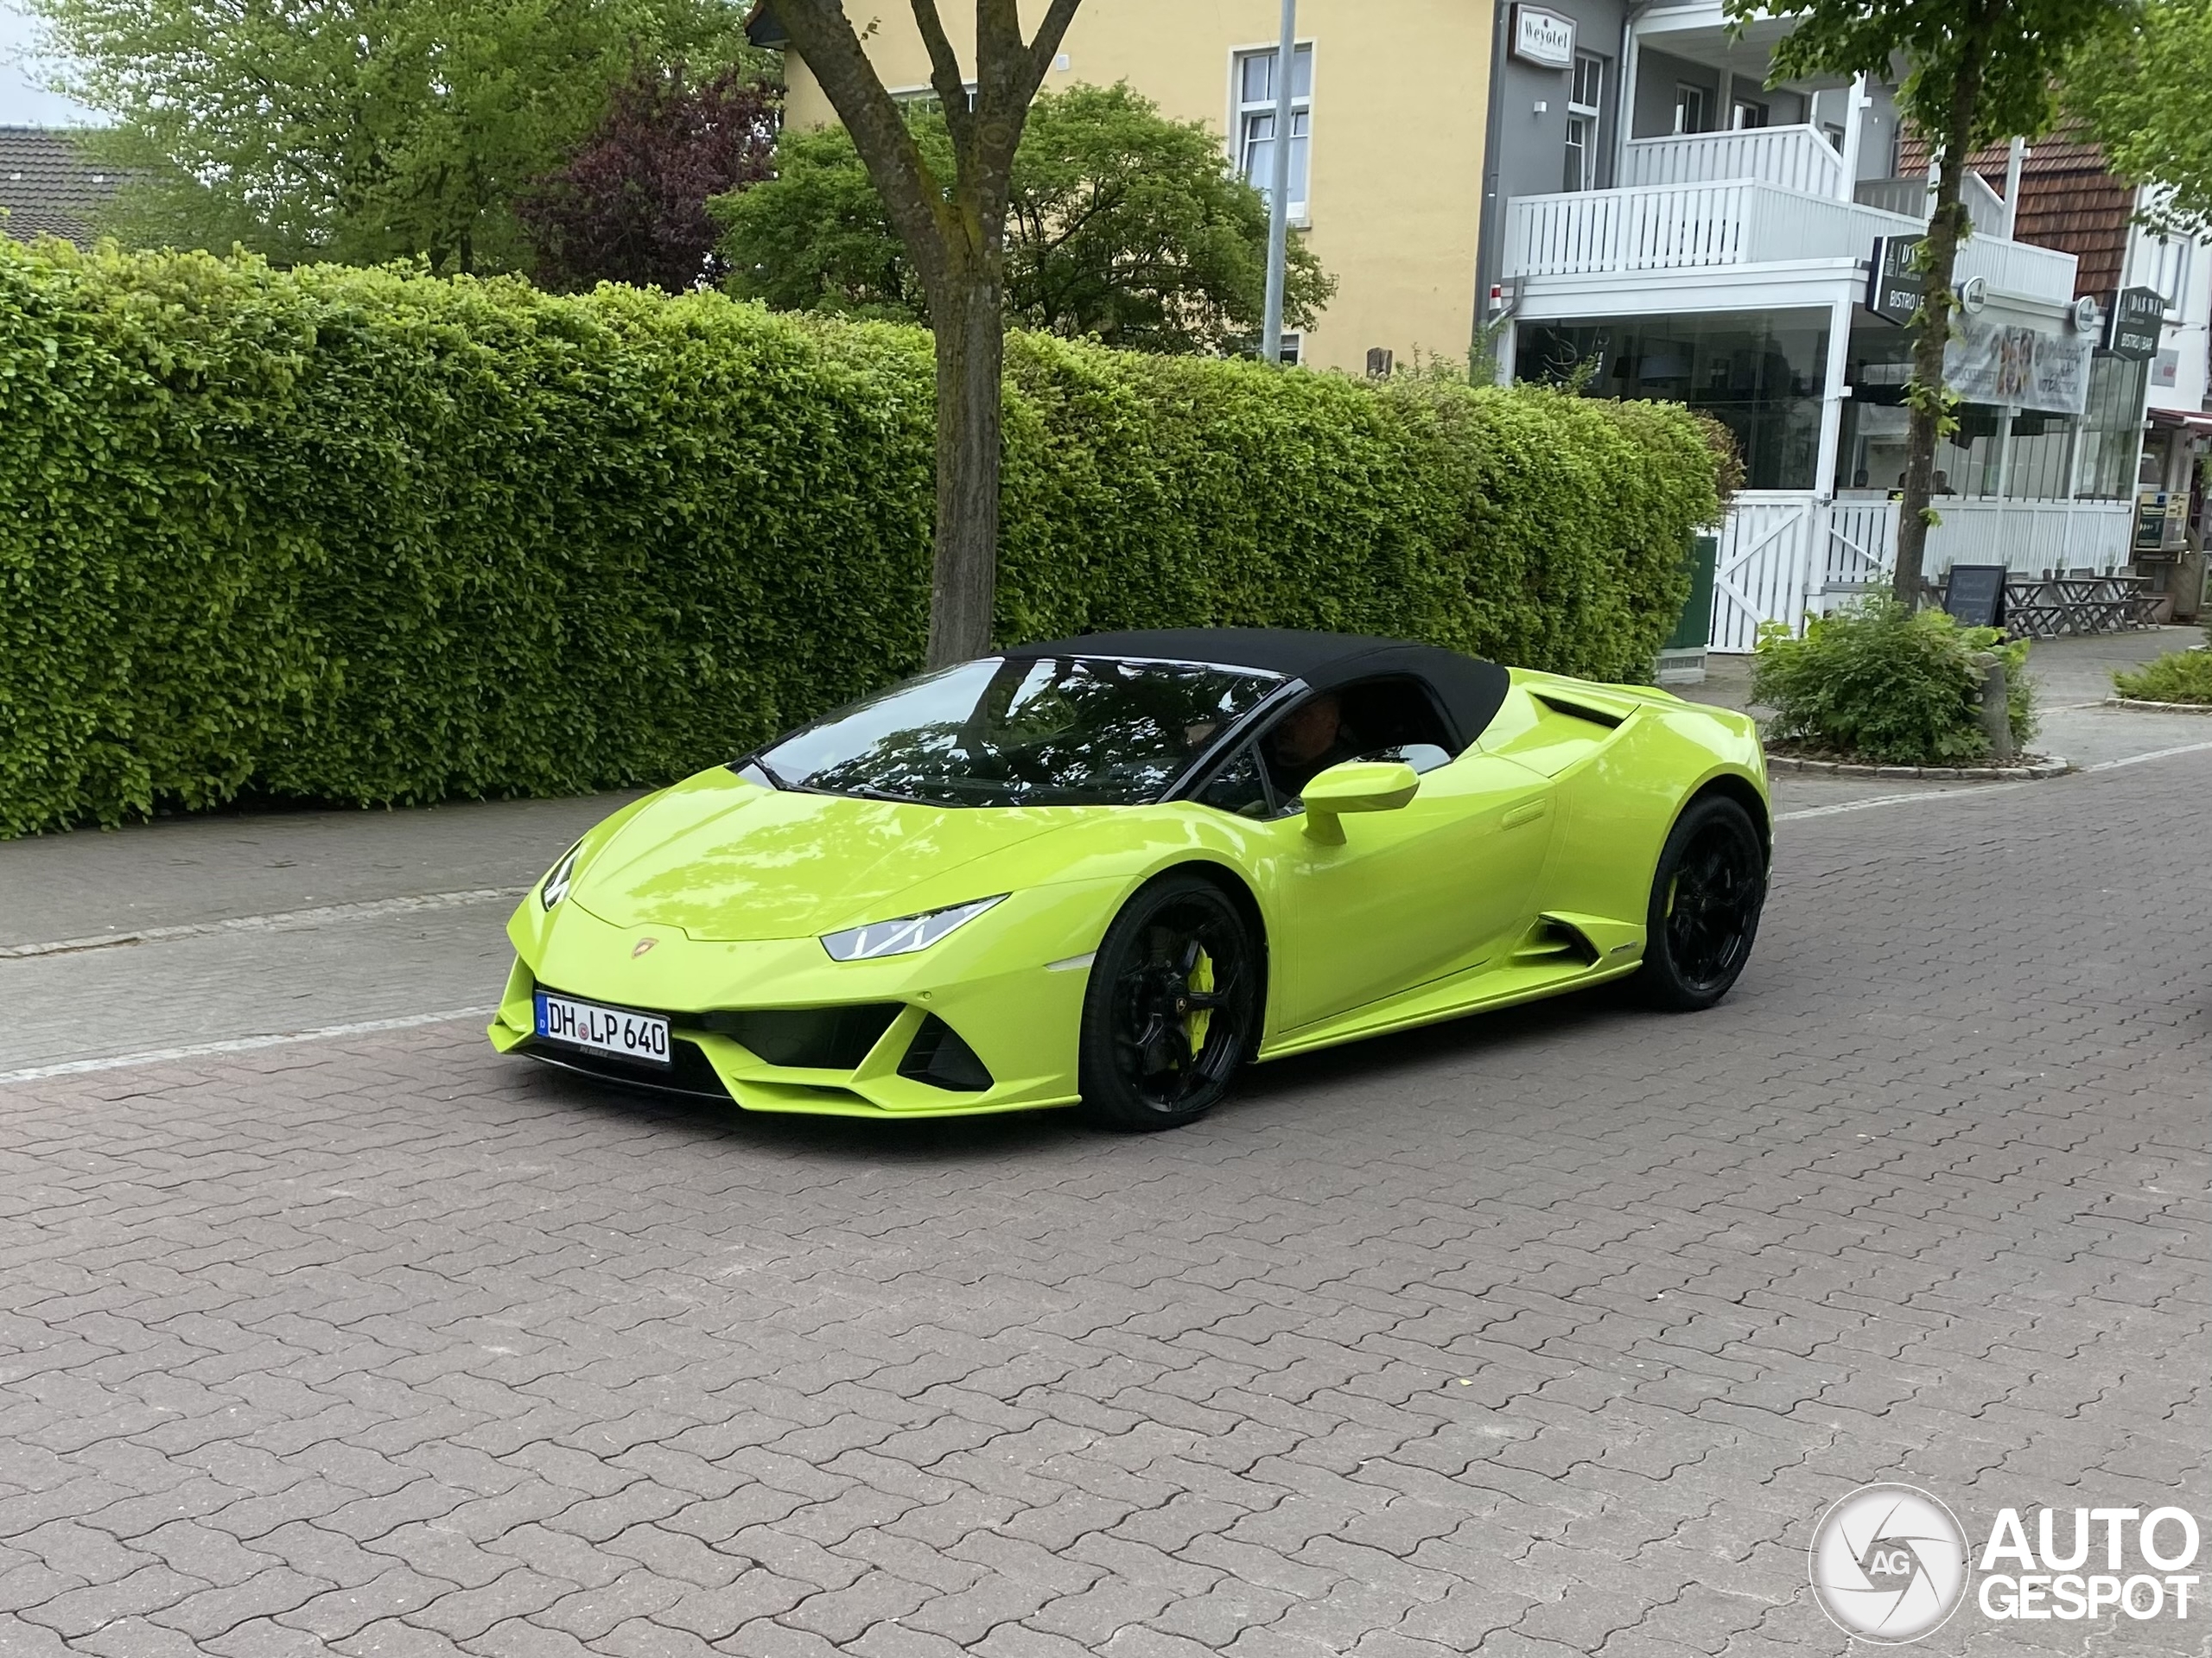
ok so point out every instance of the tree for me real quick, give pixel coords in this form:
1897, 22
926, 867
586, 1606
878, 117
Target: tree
954, 232
2147, 100
1976, 71
1121, 223
360, 130
629, 204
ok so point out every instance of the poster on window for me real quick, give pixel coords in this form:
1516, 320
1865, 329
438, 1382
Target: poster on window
2017, 367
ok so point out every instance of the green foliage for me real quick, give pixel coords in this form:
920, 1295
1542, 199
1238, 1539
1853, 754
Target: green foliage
363, 130
1880, 682
370, 536
1121, 225
2145, 97
2017, 48
2178, 676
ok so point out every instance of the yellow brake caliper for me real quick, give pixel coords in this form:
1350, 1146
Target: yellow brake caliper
1201, 980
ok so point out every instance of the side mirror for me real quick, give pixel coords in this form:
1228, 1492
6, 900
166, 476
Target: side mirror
1355, 786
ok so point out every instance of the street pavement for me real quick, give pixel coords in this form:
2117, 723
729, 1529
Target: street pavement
1552, 1332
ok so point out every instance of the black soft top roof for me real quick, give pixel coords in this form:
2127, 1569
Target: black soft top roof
1468, 689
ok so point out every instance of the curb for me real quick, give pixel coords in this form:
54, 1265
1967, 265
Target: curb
2141, 706
2050, 768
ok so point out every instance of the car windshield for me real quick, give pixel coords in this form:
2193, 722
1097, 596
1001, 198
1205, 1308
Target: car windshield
1023, 731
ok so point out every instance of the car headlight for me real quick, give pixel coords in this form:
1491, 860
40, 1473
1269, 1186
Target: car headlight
556, 885
904, 936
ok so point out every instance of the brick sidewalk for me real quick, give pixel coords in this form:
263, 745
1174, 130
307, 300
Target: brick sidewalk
1547, 1333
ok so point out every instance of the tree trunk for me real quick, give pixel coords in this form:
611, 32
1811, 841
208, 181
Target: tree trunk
970, 357
1947, 227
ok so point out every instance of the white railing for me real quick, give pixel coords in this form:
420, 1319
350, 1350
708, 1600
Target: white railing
1783, 553
1910, 196
1685, 226
2032, 536
1796, 158
2017, 268
1670, 228
1738, 222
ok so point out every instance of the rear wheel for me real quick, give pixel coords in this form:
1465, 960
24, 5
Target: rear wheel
1705, 900
1172, 1008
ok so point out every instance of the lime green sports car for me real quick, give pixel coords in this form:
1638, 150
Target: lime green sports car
1109, 870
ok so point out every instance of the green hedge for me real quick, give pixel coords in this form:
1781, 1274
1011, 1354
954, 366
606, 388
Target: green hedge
367, 535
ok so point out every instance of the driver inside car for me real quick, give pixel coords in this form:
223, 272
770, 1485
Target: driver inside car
1307, 741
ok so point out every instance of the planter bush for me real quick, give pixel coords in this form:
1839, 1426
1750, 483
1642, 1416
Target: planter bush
2178, 676
368, 535
1878, 682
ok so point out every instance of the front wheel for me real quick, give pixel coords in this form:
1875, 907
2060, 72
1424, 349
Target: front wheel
1705, 900
1172, 1008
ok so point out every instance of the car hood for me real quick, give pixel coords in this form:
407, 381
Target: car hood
724, 858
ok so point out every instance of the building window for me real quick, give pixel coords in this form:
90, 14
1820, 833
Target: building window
1583, 103
1690, 109
1255, 122
1746, 115
1760, 375
1293, 348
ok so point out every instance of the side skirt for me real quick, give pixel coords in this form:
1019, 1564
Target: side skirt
1494, 988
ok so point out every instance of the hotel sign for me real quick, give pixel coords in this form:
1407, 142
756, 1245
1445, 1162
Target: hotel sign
1542, 37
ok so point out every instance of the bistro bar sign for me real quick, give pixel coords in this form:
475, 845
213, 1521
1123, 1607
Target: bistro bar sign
1894, 287
2131, 326
1543, 37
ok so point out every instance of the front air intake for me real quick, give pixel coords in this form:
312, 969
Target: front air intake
940, 1057
809, 1038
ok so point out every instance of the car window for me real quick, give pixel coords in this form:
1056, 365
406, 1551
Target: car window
1377, 719
1237, 787
1048, 731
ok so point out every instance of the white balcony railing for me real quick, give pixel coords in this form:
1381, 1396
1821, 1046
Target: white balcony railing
1985, 207
1685, 226
1796, 158
2018, 268
1738, 222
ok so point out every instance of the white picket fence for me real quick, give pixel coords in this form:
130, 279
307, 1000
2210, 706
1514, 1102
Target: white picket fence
1783, 553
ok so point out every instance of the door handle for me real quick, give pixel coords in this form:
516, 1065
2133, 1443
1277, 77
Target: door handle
1528, 812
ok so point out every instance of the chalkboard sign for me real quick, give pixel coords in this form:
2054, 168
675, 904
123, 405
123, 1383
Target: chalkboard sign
1974, 594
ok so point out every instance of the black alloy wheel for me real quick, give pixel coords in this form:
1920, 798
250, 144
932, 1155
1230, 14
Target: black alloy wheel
1172, 1008
1705, 900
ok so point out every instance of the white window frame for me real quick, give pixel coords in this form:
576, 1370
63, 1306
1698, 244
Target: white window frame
1293, 347
1584, 120
1242, 114
1685, 96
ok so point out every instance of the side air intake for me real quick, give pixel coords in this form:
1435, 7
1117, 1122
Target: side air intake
940, 1057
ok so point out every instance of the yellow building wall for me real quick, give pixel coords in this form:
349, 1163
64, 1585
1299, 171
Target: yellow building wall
1400, 99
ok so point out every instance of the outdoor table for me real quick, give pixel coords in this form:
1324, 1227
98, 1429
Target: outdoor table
2047, 606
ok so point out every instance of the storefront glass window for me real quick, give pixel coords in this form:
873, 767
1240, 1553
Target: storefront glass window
1759, 377
2111, 430
2047, 461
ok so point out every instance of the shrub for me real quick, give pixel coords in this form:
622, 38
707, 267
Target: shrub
1880, 682
2178, 676
369, 536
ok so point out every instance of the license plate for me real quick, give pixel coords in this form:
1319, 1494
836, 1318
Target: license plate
642, 1036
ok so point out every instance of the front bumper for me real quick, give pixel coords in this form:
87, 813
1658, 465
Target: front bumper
992, 988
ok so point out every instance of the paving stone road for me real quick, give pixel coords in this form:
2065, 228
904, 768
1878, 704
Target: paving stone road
1541, 1334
